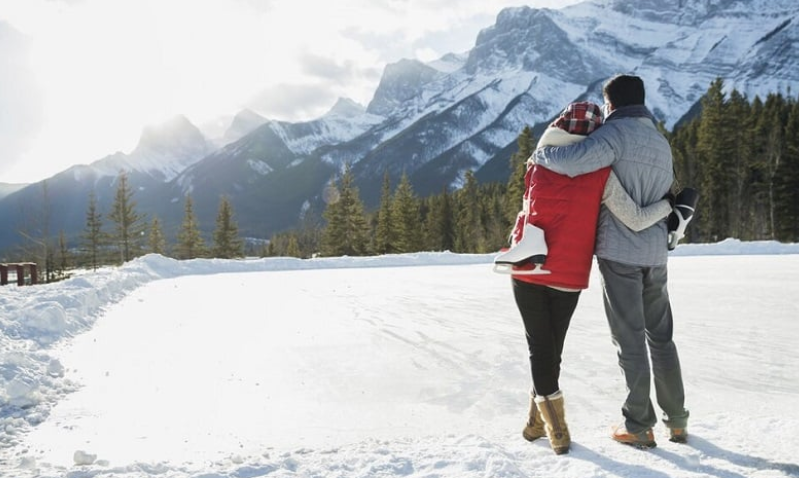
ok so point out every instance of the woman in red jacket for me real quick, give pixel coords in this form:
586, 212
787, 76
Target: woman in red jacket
566, 210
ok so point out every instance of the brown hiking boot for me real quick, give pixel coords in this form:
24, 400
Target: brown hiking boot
554, 415
643, 440
534, 428
678, 435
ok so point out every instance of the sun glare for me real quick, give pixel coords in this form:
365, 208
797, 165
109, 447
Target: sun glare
107, 68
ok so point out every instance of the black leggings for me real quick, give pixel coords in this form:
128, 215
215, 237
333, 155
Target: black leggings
546, 313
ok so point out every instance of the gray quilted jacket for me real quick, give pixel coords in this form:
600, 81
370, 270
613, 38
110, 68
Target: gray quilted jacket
641, 158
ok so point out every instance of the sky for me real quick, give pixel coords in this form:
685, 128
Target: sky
408, 366
81, 78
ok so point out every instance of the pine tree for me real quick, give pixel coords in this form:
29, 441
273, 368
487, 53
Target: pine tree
786, 188
190, 242
740, 163
439, 223
227, 243
772, 155
156, 238
93, 238
468, 228
346, 231
492, 218
405, 218
383, 231
293, 247
129, 226
758, 222
518, 166
683, 145
712, 157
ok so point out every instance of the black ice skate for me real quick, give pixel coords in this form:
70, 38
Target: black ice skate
683, 212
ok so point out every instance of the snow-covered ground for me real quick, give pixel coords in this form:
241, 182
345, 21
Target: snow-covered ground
394, 366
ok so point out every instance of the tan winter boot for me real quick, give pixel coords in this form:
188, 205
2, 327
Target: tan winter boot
554, 415
534, 429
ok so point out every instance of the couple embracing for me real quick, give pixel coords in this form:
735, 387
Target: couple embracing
599, 183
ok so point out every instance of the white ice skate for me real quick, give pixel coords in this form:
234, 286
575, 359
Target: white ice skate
532, 249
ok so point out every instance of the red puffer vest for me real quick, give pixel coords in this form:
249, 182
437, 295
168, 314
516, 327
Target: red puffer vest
567, 209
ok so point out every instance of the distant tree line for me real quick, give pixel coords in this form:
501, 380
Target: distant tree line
744, 158
122, 234
131, 235
742, 155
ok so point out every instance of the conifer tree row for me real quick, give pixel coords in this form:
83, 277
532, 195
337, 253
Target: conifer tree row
131, 236
742, 155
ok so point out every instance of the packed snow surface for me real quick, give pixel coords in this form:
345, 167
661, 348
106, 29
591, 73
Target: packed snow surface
392, 366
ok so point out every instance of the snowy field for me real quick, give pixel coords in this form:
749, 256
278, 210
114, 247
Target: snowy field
394, 366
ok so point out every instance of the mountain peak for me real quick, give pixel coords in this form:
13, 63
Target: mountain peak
449, 62
401, 80
248, 116
346, 108
242, 124
163, 151
177, 129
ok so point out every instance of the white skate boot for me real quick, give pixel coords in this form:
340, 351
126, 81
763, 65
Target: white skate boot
532, 249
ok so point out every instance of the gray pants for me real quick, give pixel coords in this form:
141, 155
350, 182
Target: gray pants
639, 314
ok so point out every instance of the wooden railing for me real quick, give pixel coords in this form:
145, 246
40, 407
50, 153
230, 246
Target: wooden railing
19, 268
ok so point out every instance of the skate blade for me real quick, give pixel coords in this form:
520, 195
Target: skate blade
505, 268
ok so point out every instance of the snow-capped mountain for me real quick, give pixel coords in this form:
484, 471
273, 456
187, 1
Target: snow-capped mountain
271, 170
436, 121
163, 151
402, 81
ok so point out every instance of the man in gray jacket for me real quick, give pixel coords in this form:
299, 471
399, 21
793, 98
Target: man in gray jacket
633, 264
